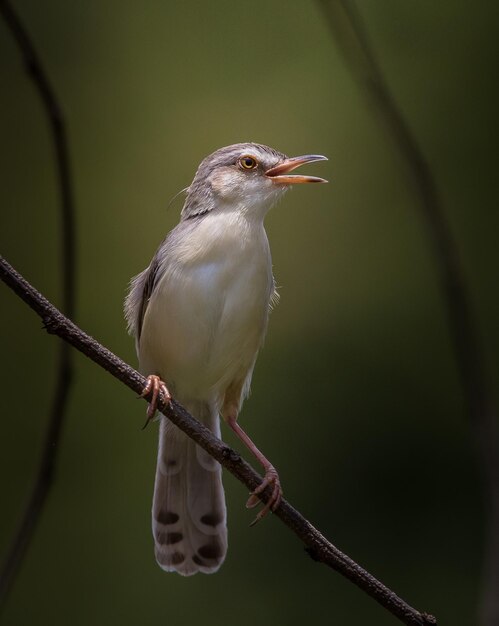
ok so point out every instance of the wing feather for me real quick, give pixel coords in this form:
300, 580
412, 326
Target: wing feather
141, 288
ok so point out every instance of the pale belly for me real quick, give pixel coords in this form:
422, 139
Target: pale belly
206, 322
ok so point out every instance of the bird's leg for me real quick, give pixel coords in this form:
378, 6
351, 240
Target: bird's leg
157, 389
271, 478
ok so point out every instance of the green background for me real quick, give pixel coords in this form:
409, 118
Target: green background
355, 397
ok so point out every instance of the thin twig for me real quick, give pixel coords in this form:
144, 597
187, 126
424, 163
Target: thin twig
45, 473
318, 547
350, 35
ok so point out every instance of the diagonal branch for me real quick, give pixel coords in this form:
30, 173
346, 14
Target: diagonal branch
350, 35
317, 546
45, 473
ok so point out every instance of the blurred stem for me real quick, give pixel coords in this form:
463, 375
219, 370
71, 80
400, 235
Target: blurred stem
352, 40
45, 473
317, 546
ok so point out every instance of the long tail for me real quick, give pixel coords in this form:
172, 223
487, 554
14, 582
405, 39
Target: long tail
188, 513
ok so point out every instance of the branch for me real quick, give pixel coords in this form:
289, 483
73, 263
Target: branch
45, 473
317, 546
352, 40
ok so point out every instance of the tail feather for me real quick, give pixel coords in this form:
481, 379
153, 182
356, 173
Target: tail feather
189, 513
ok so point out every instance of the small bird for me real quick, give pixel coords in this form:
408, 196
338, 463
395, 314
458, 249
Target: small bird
199, 315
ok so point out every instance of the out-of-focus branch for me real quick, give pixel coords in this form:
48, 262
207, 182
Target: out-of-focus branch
317, 546
352, 40
45, 473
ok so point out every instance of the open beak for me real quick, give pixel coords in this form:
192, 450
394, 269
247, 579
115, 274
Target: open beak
280, 173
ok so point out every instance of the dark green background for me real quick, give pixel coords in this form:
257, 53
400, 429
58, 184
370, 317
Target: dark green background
355, 396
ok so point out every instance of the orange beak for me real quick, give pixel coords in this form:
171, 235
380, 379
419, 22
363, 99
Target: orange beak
280, 173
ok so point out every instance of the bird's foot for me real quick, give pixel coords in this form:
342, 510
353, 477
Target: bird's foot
158, 390
271, 479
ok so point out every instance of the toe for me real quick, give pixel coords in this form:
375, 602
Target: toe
253, 500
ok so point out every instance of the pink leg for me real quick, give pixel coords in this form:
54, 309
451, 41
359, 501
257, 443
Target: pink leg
271, 477
157, 388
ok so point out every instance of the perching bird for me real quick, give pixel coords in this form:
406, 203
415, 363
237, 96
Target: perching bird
199, 315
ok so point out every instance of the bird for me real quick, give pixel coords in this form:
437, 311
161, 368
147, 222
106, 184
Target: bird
199, 315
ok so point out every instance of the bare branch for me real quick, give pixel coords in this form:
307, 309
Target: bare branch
352, 40
317, 546
45, 473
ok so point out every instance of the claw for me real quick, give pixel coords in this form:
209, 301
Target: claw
271, 478
158, 390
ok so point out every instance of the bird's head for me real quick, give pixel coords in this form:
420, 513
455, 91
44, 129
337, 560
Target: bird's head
247, 177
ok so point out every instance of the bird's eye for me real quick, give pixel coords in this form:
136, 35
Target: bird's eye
248, 162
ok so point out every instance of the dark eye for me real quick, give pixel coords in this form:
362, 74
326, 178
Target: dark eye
248, 162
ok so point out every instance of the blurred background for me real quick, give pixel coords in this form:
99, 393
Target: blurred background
356, 397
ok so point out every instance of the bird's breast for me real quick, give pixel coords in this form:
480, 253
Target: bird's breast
208, 315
